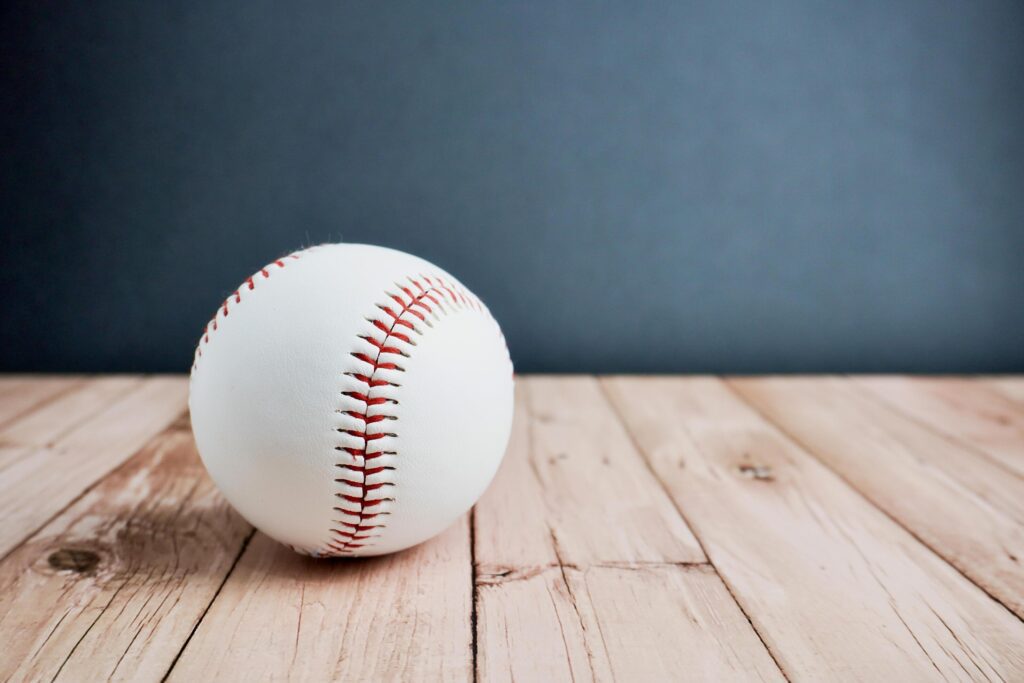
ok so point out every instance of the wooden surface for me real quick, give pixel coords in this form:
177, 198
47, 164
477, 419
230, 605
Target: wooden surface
640, 529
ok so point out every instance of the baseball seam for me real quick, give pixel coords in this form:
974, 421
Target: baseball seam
366, 449
224, 309
367, 445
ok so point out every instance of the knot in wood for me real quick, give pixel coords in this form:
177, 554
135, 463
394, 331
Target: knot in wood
759, 472
73, 560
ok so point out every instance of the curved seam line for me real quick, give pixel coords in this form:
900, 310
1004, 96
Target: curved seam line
459, 299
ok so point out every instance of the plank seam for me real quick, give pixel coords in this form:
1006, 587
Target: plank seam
531, 441
45, 401
206, 610
500, 575
475, 593
124, 463
135, 388
884, 402
795, 441
67, 429
647, 463
367, 490
99, 615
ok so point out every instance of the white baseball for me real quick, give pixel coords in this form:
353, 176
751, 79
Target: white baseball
351, 400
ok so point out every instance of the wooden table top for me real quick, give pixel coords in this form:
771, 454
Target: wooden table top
699, 528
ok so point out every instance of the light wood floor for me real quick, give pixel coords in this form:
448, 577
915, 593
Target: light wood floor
640, 529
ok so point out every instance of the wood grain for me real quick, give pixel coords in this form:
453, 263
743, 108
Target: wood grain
836, 589
639, 529
965, 410
39, 482
20, 394
112, 587
67, 410
552, 603
602, 503
516, 494
640, 623
1011, 387
281, 616
961, 504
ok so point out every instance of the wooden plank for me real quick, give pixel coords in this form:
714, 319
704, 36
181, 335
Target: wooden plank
530, 626
10, 455
113, 587
39, 484
552, 602
836, 589
641, 623
673, 622
515, 494
961, 504
62, 413
602, 503
10, 384
1010, 386
21, 394
283, 616
968, 411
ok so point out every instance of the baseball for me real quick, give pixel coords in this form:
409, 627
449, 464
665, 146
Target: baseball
351, 400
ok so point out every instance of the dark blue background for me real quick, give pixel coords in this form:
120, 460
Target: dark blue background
742, 186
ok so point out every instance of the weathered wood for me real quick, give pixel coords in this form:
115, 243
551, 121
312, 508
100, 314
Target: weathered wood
638, 623
835, 588
960, 503
40, 482
112, 587
1011, 387
583, 567
515, 496
965, 410
602, 503
552, 602
69, 409
20, 394
528, 627
531, 627
283, 616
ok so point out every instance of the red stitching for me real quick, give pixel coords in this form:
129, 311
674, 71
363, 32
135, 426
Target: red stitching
350, 536
375, 363
368, 381
371, 419
237, 296
380, 345
367, 509
344, 544
363, 435
366, 399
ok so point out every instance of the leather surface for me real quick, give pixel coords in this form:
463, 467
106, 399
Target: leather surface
282, 406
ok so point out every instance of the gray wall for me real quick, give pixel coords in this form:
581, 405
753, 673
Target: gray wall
740, 187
